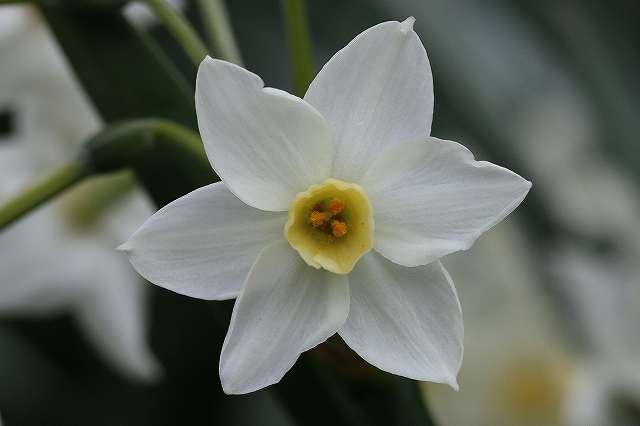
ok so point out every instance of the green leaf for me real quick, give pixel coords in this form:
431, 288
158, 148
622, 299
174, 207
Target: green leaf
125, 73
128, 76
364, 395
36, 391
410, 409
310, 397
168, 172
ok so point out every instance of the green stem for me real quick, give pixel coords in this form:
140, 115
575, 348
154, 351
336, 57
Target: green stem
41, 191
115, 148
219, 30
86, 202
299, 44
181, 136
123, 144
181, 29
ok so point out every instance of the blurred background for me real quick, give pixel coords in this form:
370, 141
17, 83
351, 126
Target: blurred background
550, 296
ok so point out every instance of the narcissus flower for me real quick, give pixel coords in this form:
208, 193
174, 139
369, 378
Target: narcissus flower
331, 215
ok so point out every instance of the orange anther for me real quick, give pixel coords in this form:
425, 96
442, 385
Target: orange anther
339, 228
317, 219
336, 206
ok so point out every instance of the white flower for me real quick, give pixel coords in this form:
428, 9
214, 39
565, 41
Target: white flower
354, 153
140, 14
48, 265
605, 299
518, 365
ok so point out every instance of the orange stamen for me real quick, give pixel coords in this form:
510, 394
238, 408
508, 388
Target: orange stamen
336, 206
339, 228
317, 219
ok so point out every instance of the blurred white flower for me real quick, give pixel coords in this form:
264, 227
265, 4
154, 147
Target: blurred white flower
585, 191
356, 150
49, 264
605, 296
518, 367
604, 394
141, 15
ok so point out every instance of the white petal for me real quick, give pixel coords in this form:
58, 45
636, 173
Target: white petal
376, 91
406, 321
265, 144
431, 198
285, 308
203, 244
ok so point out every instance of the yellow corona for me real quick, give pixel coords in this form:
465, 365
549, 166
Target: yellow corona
331, 225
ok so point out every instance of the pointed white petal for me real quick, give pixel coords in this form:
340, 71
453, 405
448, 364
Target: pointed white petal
376, 91
265, 144
406, 321
285, 308
203, 244
431, 198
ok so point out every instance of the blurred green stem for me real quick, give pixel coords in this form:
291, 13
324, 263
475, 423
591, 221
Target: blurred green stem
295, 20
117, 147
85, 204
181, 136
123, 144
219, 31
181, 29
41, 191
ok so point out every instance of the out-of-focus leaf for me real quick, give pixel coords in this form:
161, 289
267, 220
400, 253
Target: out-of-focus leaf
409, 407
309, 399
123, 70
84, 3
167, 158
169, 172
127, 76
365, 395
41, 393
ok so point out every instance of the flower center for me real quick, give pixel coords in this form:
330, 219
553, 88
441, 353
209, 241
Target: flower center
331, 225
